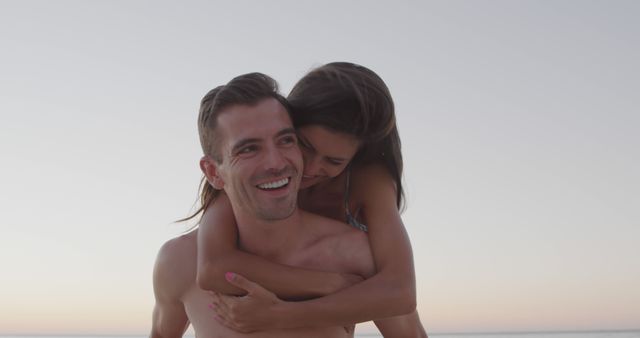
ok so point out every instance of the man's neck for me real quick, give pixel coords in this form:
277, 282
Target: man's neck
274, 240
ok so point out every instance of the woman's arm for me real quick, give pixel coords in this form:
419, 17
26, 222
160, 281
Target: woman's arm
390, 292
218, 254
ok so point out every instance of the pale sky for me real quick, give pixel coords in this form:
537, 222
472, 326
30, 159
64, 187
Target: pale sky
519, 122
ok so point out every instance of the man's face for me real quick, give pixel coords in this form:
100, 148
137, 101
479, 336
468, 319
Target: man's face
261, 162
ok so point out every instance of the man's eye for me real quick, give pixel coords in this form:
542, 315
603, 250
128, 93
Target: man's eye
247, 150
288, 140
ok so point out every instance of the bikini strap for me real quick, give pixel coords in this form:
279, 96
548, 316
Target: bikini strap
347, 192
350, 219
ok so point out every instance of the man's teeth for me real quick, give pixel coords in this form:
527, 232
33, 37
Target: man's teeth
274, 185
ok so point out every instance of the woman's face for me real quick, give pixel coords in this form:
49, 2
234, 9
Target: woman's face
326, 153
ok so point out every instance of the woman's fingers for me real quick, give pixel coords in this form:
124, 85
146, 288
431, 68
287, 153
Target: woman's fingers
227, 319
219, 316
246, 313
242, 282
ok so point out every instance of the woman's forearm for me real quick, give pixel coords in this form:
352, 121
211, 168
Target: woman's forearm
391, 291
372, 299
218, 254
288, 283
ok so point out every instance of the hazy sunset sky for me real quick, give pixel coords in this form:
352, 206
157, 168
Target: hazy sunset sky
520, 123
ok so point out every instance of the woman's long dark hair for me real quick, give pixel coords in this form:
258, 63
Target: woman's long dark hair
352, 99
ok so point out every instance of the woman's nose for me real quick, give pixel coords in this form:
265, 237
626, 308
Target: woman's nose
312, 166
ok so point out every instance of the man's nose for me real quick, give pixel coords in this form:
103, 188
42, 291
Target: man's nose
275, 159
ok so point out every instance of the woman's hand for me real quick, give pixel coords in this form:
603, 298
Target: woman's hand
249, 313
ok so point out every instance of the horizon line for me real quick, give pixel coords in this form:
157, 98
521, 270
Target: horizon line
362, 334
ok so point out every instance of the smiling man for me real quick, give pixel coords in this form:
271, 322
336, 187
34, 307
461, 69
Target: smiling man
251, 152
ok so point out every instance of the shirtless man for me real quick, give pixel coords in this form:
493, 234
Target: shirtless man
251, 152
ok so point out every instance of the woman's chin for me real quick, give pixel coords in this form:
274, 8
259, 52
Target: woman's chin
305, 185
308, 182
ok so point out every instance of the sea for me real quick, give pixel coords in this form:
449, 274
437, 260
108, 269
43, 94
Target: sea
590, 334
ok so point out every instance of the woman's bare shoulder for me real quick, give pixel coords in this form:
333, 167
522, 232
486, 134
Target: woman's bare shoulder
371, 181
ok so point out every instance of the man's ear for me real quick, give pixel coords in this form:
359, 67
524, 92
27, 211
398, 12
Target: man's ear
210, 170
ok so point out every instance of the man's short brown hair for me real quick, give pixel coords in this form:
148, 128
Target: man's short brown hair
247, 89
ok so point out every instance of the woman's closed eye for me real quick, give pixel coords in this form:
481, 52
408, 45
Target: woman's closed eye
335, 162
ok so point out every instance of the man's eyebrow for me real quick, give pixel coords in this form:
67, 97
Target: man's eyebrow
286, 131
245, 141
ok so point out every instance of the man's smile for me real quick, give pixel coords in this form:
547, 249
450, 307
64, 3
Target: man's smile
277, 184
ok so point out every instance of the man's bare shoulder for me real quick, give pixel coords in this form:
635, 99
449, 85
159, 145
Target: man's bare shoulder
321, 226
175, 266
337, 244
178, 249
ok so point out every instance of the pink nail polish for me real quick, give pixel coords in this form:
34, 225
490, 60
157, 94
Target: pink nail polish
229, 276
